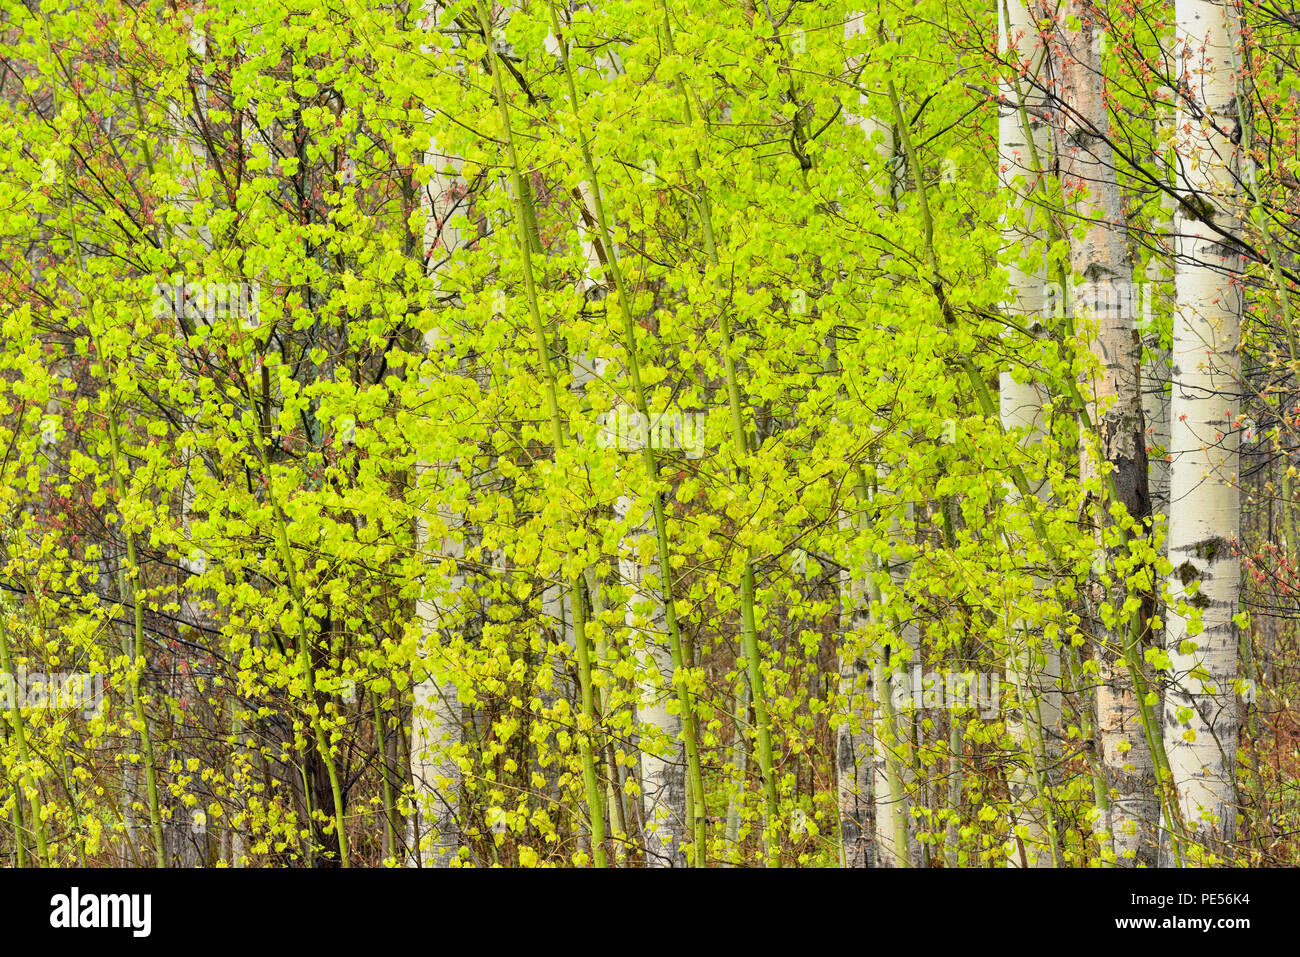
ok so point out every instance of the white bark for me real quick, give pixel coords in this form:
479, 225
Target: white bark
435, 730
1105, 313
1032, 671
1156, 363
889, 732
854, 748
663, 774
436, 719
1200, 703
884, 736
185, 842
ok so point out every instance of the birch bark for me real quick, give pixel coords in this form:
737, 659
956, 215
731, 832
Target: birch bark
1021, 403
436, 714
1104, 310
1200, 702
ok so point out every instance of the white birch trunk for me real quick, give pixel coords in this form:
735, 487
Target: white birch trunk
1156, 362
436, 718
663, 774
884, 736
1105, 313
854, 748
1200, 702
184, 840
1033, 672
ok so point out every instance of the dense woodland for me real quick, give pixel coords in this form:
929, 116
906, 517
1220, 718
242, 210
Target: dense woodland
639, 433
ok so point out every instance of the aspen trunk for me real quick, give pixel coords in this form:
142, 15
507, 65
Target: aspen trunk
854, 748
663, 774
1155, 365
1105, 314
1200, 702
185, 834
1024, 137
436, 719
889, 747
896, 843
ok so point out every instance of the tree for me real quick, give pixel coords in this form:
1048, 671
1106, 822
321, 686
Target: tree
1204, 522
1117, 463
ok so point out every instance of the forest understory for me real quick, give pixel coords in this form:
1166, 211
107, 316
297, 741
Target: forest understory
634, 433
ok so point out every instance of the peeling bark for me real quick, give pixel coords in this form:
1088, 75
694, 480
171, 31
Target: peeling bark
1105, 312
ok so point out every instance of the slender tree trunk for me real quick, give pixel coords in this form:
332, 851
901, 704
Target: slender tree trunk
854, 747
1033, 671
436, 718
896, 843
885, 737
1155, 364
663, 774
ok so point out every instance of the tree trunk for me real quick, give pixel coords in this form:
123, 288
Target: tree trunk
663, 773
436, 719
1104, 313
1033, 671
854, 747
1200, 703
